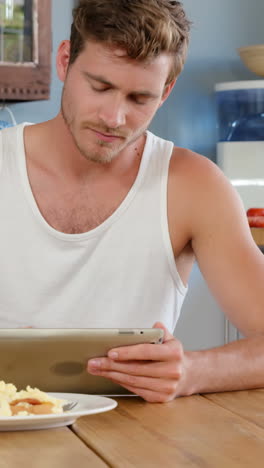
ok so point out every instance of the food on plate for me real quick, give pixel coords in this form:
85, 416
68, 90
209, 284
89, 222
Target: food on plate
31, 401
255, 217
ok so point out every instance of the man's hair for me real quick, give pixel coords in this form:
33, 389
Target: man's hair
143, 28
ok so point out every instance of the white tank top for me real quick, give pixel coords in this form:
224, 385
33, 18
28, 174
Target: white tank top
120, 274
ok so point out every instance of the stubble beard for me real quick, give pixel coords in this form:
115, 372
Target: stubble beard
102, 157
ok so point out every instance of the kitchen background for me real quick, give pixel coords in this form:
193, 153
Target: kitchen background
188, 118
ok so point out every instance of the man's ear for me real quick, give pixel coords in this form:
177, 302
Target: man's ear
62, 60
167, 90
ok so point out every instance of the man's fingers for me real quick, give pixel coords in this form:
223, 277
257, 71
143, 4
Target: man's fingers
163, 386
170, 350
149, 395
151, 371
169, 370
167, 335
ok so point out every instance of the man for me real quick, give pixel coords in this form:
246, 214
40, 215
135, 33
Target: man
102, 221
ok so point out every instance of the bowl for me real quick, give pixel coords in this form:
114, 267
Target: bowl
253, 57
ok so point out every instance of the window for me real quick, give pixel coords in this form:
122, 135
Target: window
25, 49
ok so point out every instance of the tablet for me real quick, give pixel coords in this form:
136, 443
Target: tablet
55, 360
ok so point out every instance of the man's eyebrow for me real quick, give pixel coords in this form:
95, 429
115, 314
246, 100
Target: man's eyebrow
102, 80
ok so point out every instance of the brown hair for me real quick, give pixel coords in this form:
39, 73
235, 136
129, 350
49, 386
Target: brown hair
144, 28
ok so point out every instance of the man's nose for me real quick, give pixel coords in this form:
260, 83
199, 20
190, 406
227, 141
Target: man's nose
113, 113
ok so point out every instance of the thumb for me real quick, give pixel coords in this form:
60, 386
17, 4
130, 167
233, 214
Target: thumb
167, 335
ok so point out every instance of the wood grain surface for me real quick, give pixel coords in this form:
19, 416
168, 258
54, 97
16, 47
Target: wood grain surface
248, 403
50, 448
223, 430
188, 432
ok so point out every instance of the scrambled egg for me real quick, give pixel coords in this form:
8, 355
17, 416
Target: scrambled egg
7, 394
27, 402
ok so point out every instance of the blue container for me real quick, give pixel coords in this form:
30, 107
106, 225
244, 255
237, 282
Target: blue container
4, 124
240, 110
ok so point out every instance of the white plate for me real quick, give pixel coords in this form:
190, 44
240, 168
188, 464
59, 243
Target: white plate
86, 404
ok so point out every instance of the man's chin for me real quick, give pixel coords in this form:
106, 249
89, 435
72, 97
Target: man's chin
104, 153
101, 157
106, 159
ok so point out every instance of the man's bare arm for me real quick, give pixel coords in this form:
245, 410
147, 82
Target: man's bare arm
236, 366
229, 260
233, 266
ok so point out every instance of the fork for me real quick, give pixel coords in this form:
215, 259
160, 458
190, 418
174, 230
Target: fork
69, 406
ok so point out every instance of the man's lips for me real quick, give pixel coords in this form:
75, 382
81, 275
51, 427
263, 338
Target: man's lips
106, 137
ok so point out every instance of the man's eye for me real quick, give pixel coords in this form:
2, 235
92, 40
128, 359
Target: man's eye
139, 101
99, 90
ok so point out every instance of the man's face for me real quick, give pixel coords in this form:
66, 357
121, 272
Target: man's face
109, 100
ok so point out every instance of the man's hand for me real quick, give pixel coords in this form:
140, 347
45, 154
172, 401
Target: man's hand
153, 371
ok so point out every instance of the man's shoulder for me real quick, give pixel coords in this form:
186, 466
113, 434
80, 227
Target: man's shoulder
196, 179
192, 166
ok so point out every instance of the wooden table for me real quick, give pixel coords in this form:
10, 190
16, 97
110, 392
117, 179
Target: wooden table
215, 430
